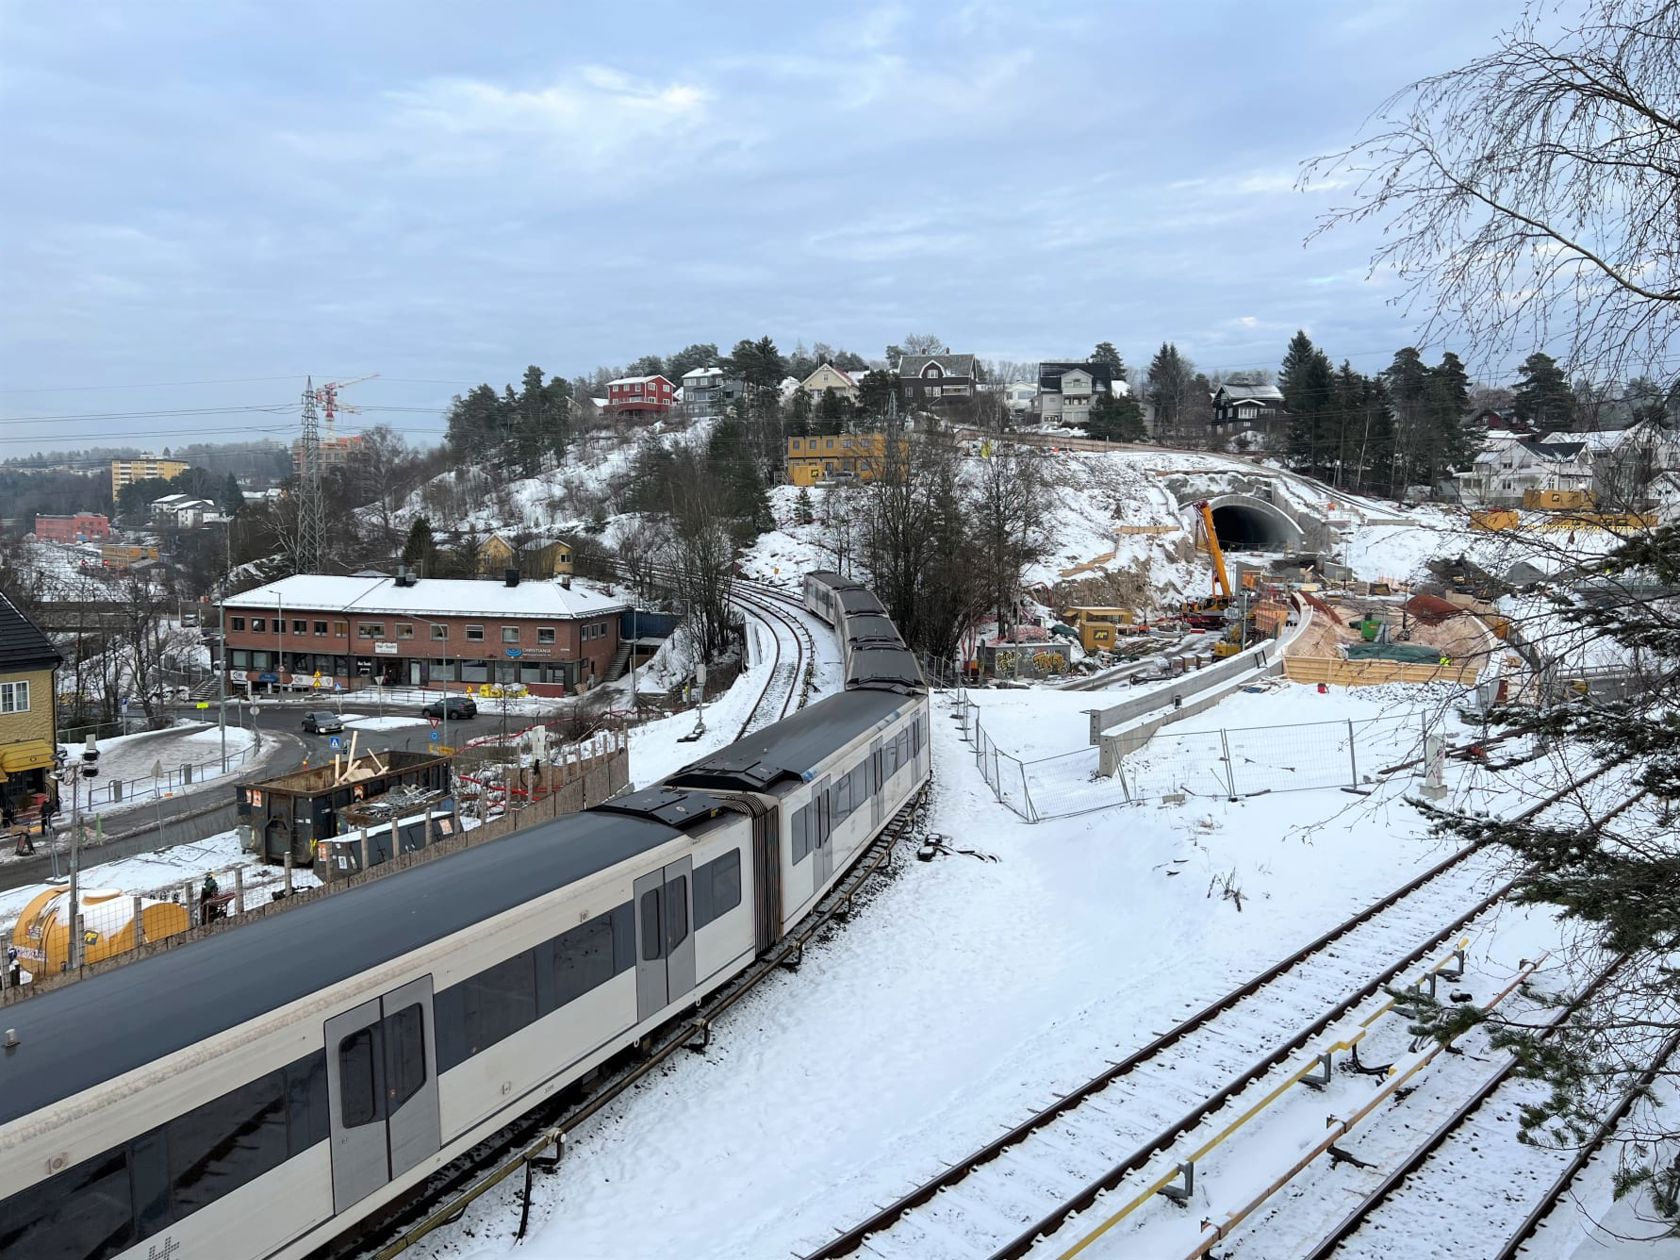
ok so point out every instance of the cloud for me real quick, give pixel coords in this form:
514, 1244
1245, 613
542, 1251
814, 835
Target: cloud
589, 117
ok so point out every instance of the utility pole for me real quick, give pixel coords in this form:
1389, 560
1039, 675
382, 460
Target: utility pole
311, 511
222, 644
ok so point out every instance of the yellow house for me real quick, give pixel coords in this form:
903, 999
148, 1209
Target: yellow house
28, 716
811, 461
828, 377
538, 558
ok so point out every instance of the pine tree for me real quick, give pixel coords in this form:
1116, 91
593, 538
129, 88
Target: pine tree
1106, 355
1543, 398
802, 506
1408, 387
745, 501
1306, 380
232, 498
832, 409
1116, 418
799, 414
1451, 444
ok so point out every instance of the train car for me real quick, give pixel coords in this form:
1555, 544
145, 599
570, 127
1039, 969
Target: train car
830, 596
873, 653
204, 1101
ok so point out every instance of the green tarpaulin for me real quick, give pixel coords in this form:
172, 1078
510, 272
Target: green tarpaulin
1411, 653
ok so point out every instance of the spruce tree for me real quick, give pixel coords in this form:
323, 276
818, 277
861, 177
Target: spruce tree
1543, 399
1306, 381
420, 548
1408, 385
1168, 388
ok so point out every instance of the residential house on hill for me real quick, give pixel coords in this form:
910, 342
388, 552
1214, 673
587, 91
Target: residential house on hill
1241, 406
708, 391
1625, 462
533, 558
184, 511
935, 382
838, 457
28, 710
828, 377
1504, 471
640, 397
1067, 390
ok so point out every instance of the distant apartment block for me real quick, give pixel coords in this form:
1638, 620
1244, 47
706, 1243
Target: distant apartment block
812, 461
334, 451
640, 397
82, 527
125, 472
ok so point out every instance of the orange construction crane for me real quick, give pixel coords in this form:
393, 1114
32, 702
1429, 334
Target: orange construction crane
1220, 578
327, 397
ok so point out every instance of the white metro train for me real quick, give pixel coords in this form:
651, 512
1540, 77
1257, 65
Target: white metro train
259, 1092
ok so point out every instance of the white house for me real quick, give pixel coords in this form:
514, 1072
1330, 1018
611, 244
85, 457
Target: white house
1625, 463
1511, 465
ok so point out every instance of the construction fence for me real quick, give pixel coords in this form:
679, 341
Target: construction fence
1229, 763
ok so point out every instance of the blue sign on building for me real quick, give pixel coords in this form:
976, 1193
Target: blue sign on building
515, 653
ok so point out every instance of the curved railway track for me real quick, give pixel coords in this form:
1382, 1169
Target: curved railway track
987, 1203
790, 675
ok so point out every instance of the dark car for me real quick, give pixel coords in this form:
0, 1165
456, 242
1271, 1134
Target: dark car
322, 723
457, 706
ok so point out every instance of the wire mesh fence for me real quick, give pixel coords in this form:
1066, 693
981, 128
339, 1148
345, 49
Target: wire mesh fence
1225, 762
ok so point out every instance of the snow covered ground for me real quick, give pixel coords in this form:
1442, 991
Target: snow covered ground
135, 762
960, 999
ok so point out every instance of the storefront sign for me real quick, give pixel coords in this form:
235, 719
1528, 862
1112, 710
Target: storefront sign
236, 675
383, 648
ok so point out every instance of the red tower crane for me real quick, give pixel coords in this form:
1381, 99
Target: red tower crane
327, 397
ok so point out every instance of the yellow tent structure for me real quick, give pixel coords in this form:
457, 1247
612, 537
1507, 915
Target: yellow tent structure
41, 934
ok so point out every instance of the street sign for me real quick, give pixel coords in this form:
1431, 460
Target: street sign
444, 750
435, 736
317, 681
434, 719
334, 743
157, 768
515, 653
125, 702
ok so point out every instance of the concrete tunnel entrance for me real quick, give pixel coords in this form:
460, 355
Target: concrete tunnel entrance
1242, 527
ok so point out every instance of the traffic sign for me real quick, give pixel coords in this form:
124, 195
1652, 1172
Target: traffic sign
435, 736
444, 750
334, 742
202, 704
434, 719
125, 702
515, 653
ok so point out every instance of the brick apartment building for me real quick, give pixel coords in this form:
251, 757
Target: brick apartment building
641, 397
447, 634
82, 527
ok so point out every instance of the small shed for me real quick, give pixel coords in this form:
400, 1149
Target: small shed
293, 812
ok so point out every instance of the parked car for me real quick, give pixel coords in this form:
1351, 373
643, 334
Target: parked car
457, 707
322, 723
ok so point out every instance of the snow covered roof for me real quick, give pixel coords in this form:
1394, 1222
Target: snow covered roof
438, 597
1260, 393
701, 375
949, 364
636, 380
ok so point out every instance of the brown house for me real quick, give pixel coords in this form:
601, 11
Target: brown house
447, 634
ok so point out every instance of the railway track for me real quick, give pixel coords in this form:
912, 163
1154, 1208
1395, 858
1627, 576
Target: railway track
787, 677
989, 1203
537, 1141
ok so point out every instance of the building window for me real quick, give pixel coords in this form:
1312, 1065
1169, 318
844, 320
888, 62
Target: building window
341, 629
236, 623
14, 697
300, 627
475, 634
545, 634
370, 630
405, 630
321, 628
258, 625
439, 633
510, 634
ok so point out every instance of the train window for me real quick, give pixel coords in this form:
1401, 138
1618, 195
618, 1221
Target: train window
224, 1144
82, 1214
405, 1055
624, 937
307, 1107
717, 888
676, 912
358, 1079
653, 933
801, 833
148, 1181
500, 1000
583, 959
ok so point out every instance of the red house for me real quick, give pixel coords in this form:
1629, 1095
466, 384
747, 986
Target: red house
82, 527
648, 396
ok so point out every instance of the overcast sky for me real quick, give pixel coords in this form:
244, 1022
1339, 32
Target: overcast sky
205, 202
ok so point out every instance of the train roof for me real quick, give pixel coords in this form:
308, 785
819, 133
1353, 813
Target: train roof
838, 581
83, 1034
874, 627
792, 748
893, 666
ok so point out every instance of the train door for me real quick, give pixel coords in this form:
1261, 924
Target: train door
382, 1087
822, 855
665, 937
767, 876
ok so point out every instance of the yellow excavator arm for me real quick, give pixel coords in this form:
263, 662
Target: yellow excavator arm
1220, 577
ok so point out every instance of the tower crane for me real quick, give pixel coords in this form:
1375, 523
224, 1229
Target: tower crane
327, 397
